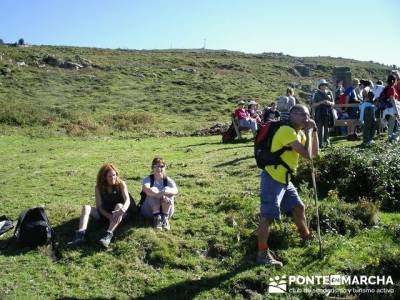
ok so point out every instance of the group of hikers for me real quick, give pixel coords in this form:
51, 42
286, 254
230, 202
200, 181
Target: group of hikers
301, 134
115, 205
277, 193
364, 104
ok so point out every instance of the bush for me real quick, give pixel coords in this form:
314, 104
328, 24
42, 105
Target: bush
130, 120
339, 217
370, 174
26, 115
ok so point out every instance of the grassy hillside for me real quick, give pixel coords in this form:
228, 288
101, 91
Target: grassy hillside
209, 253
146, 92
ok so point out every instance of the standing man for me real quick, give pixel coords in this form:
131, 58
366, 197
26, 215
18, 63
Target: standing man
322, 105
276, 191
285, 103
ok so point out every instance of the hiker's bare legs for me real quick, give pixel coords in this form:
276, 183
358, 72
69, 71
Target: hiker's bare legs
87, 211
116, 219
166, 204
263, 230
299, 218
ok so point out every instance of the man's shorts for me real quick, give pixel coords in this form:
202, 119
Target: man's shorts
276, 196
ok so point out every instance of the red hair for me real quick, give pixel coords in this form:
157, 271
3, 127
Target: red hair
101, 181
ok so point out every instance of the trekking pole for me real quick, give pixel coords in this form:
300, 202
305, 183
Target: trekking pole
316, 199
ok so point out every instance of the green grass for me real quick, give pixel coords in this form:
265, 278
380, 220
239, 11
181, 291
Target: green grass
209, 252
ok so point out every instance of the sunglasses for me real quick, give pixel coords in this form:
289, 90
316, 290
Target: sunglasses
158, 166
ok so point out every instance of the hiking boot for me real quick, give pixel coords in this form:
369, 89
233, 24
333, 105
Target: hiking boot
266, 258
165, 223
158, 222
78, 240
307, 241
106, 240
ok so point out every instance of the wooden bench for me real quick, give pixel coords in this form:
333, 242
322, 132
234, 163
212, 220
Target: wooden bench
346, 122
238, 128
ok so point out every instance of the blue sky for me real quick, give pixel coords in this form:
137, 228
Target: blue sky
364, 30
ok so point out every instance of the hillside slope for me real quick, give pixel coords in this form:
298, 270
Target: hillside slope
128, 92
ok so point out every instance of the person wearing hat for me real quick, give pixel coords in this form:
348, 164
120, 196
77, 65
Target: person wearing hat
252, 110
353, 96
323, 111
244, 119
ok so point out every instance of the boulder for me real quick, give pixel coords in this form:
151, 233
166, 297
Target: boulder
294, 72
71, 65
52, 61
303, 70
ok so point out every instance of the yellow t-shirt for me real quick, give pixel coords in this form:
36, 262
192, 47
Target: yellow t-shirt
283, 137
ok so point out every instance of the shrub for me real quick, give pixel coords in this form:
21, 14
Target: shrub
370, 174
130, 120
339, 217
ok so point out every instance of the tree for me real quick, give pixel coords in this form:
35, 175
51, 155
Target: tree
1, 42
21, 42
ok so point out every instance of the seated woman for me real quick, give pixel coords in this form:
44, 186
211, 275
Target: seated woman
112, 204
252, 109
158, 192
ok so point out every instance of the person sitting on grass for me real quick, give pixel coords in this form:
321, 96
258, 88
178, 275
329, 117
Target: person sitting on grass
159, 190
112, 204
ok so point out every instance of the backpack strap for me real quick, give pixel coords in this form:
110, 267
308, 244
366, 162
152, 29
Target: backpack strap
143, 194
289, 171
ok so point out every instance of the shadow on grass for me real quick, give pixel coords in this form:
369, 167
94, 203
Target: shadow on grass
65, 232
96, 298
230, 148
189, 289
234, 161
202, 144
236, 141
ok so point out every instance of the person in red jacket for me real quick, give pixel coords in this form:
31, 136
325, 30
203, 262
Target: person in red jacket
244, 119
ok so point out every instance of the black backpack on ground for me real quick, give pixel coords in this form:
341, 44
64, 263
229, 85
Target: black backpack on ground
262, 148
143, 194
33, 229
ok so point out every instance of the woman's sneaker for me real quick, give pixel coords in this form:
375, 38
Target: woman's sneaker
158, 222
106, 240
165, 223
78, 240
266, 258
